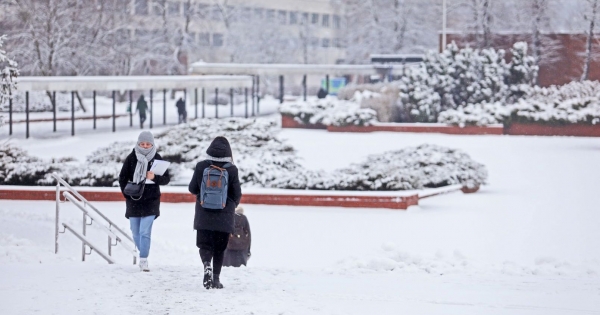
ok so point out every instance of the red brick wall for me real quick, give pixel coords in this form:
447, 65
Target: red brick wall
289, 122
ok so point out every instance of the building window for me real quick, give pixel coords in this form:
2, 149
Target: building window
304, 18
158, 7
336, 22
246, 14
337, 43
293, 18
173, 8
258, 13
314, 18
123, 35
325, 43
325, 20
217, 40
192, 37
141, 7
314, 41
282, 16
188, 10
204, 39
215, 13
270, 15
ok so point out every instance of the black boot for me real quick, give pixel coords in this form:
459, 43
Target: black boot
208, 277
216, 283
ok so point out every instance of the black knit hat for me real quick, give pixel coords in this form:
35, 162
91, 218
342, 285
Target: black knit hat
219, 148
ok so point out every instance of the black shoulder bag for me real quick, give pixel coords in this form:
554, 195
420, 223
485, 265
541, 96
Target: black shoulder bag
134, 190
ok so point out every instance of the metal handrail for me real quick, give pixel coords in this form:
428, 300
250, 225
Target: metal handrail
88, 243
106, 229
80, 202
86, 202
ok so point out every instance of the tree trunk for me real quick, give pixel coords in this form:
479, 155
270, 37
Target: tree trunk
588, 42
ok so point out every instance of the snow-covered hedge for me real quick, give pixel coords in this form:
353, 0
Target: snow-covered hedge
263, 160
475, 115
575, 102
329, 111
450, 80
425, 166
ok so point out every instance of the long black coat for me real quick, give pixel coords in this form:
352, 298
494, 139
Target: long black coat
149, 204
216, 220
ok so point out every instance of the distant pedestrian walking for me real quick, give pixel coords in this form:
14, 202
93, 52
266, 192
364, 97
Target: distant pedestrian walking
238, 248
217, 188
143, 210
181, 111
142, 108
322, 93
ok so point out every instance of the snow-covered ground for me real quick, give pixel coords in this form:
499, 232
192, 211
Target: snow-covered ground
525, 244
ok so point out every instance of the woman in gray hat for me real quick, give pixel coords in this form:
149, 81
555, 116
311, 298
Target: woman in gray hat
143, 211
217, 188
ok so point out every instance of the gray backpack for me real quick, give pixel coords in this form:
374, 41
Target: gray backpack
213, 191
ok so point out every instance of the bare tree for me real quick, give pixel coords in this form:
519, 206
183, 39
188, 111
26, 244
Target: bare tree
8, 74
590, 17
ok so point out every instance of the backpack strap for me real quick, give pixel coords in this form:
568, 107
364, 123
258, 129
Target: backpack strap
227, 165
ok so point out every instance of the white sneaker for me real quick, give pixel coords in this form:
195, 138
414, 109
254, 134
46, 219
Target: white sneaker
144, 265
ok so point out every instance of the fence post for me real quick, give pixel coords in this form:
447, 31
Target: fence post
231, 101
216, 102
257, 94
327, 83
114, 117
253, 88
130, 108
53, 111
203, 101
151, 108
94, 98
10, 115
196, 101
165, 107
304, 83
72, 113
280, 89
246, 102
27, 115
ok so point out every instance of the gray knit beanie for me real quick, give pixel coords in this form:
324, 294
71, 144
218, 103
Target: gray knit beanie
146, 136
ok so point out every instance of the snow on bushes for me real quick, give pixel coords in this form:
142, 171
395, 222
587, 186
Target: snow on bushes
329, 111
453, 79
575, 102
475, 115
262, 158
425, 166
258, 153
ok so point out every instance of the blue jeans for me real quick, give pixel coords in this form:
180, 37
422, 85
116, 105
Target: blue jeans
141, 227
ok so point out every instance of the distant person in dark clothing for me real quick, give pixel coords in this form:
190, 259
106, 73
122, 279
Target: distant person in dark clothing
322, 93
238, 248
142, 108
181, 110
213, 226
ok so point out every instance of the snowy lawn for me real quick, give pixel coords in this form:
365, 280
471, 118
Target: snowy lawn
527, 243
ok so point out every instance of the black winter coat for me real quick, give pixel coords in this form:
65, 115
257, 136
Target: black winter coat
149, 204
216, 220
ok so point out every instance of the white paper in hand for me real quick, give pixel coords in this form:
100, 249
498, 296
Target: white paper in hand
159, 167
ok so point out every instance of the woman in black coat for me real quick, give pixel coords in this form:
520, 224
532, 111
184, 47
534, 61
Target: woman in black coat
142, 213
213, 226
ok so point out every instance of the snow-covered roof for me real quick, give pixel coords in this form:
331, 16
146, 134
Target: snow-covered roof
279, 69
122, 83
